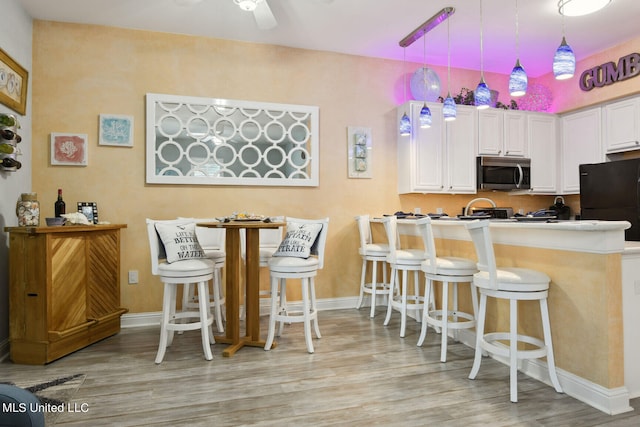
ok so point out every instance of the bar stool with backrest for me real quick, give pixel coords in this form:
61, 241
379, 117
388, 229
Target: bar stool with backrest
512, 284
212, 242
197, 269
299, 256
372, 254
404, 260
446, 270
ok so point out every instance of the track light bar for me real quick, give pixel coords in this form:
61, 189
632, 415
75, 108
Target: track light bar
427, 26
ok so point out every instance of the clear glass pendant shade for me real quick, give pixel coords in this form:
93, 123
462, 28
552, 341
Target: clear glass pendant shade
405, 125
425, 117
564, 61
449, 109
518, 80
482, 95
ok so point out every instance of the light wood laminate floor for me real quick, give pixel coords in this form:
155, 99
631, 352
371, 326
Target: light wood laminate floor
362, 373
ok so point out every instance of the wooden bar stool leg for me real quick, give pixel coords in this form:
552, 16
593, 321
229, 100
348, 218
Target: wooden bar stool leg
546, 328
307, 313
374, 288
477, 360
392, 286
363, 278
205, 318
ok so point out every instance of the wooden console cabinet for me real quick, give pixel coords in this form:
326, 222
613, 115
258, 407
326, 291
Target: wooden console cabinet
64, 289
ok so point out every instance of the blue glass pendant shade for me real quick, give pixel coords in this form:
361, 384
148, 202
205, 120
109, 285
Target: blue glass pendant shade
449, 109
425, 117
482, 95
564, 61
405, 125
518, 80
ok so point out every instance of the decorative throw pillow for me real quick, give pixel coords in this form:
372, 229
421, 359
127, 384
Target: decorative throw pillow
299, 240
180, 241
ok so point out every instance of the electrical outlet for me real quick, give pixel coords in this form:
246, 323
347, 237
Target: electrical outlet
417, 210
439, 210
133, 277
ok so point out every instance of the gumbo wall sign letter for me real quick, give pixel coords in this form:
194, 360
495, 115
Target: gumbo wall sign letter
610, 73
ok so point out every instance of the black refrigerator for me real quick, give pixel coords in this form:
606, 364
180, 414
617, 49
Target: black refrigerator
611, 191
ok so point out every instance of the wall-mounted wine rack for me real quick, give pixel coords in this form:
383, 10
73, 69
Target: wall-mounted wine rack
9, 140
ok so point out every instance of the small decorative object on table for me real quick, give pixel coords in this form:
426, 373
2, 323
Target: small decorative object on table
28, 210
89, 210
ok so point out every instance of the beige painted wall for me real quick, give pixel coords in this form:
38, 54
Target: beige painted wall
81, 71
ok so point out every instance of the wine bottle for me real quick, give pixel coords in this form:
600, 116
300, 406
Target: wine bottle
8, 162
6, 120
59, 205
7, 148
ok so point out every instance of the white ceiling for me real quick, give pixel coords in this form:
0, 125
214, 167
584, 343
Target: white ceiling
374, 28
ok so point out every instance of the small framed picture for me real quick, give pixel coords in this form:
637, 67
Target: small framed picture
359, 152
90, 210
116, 130
69, 149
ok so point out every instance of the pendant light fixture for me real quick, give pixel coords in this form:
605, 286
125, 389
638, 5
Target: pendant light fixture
482, 94
518, 79
425, 112
449, 109
564, 61
405, 122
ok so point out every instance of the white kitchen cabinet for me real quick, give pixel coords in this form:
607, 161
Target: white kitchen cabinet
420, 165
580, 144
542, 139
502, 133
460, 148
439, 159
621, 121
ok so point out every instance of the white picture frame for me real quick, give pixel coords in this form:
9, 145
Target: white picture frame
359, 152
115, 130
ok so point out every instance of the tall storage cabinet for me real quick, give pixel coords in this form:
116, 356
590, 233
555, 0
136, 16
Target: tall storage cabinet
64, 289
581, 143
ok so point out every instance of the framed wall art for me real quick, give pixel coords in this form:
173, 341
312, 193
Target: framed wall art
13, 84
90, 210
69, 149
116, 130
359, 152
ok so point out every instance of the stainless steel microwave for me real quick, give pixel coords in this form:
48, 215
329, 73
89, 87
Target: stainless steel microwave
503, 173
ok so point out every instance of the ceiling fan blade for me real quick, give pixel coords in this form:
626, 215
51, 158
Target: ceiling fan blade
264, 17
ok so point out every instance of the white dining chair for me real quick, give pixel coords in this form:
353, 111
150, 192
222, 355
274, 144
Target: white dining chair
373, 254
447, 270
512, 284
176, 273
287, 264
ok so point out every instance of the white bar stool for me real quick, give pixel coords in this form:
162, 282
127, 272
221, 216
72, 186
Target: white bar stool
513, 284
372, 254
173, 274
447, 270
404, 260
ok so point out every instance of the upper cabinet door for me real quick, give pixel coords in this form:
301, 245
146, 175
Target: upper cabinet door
502, 133
622, 125
461, 158
542, 130
515, 133
490, 132
581, 144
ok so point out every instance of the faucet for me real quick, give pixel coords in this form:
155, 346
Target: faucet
479, 199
